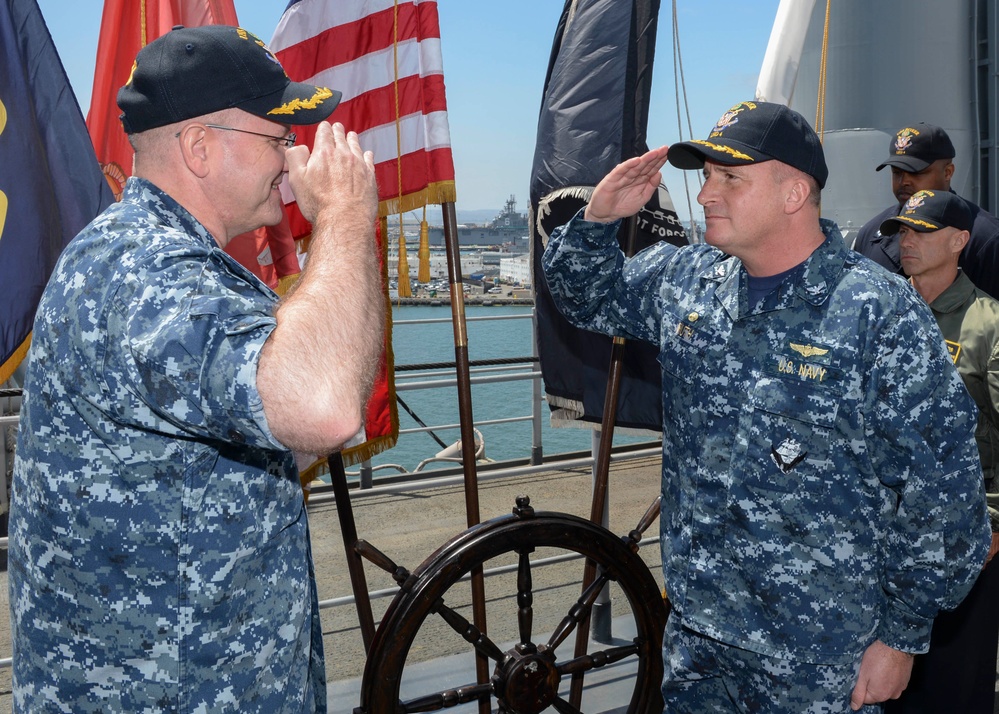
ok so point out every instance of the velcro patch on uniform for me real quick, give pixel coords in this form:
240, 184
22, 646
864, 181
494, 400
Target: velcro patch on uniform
953, 349
787, 454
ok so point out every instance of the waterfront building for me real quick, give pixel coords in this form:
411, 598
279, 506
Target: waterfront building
516, 269
471, 262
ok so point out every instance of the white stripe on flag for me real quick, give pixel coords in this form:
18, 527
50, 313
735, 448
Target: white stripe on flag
377, 69
308, 18
416, 131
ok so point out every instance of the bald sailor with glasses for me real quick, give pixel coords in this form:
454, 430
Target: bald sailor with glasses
159, 545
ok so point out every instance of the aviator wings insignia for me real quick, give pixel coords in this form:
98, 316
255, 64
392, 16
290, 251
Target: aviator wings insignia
808, 350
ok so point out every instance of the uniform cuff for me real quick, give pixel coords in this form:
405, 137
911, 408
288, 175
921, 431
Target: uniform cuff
903, 630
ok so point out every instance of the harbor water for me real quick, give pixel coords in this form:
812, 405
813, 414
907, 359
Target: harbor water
429, 343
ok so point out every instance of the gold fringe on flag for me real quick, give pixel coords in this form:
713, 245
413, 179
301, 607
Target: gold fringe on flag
353, 455
405, 290
436, 193
286, 283
20, 352
424, 272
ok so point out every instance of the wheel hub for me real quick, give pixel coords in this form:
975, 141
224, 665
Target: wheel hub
526, 681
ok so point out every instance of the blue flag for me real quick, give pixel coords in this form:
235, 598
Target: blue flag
51, 185
594, 114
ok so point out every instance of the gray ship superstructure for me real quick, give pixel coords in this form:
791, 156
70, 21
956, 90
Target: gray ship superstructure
509, 227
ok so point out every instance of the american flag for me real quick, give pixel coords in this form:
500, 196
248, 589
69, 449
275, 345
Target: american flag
385, 58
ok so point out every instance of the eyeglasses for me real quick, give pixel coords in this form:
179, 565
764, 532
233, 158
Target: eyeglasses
288, 141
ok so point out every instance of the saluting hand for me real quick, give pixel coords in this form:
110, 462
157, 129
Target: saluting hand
627, 188
336, 176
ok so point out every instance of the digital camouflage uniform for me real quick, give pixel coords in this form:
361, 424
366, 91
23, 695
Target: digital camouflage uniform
821, 486
159, 546
958, 674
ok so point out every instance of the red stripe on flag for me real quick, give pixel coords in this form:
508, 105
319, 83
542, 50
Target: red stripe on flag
348, 42
376, 108
419, 168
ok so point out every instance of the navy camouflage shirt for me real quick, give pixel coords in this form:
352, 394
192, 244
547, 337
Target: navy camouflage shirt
821, 486
159, 545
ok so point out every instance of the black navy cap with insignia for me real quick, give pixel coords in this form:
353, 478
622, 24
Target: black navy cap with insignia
927, 211
751, 132
193, 71
915, 147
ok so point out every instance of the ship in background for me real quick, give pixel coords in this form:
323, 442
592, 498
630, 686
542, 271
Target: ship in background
888, 65
509, 228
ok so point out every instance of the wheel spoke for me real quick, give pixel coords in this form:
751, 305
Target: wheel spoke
448, 698
579, 611
525, 597
594, 660
528, 676
563, 707
472, 634
375, 556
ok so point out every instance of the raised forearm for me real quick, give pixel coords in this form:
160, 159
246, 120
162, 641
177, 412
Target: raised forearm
316, 370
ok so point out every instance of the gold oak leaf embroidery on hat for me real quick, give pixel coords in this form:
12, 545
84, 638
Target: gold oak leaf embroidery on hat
322, 93
916, 222
735, 153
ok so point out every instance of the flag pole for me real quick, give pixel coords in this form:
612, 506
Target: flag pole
348, 531
601, 475
466, 426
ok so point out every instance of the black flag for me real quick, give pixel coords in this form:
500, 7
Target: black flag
594, 114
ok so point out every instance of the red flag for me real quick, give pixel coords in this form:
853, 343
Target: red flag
385, 56
126, 27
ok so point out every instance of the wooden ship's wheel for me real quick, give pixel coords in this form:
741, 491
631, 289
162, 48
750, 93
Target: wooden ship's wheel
526, 678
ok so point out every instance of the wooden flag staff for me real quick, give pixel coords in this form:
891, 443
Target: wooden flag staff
602, 465
352, 545
466, 426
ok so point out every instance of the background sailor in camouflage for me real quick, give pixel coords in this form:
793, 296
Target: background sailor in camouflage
931, 230
159, 544
821, 489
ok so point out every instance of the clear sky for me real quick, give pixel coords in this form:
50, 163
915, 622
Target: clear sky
495, 59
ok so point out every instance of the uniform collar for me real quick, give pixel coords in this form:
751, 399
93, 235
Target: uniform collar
152, 197
955, 296
824, 265
813, 284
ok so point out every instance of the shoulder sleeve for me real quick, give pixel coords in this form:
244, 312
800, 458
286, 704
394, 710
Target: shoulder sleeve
596, 288
980, 257
923, 448
867, 232
185, 334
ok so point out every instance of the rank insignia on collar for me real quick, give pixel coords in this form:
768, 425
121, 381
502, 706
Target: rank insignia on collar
787, 454
816, 290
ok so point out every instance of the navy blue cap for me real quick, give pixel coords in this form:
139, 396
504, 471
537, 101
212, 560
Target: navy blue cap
752, 132
915, 147
193, 71
927, 211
